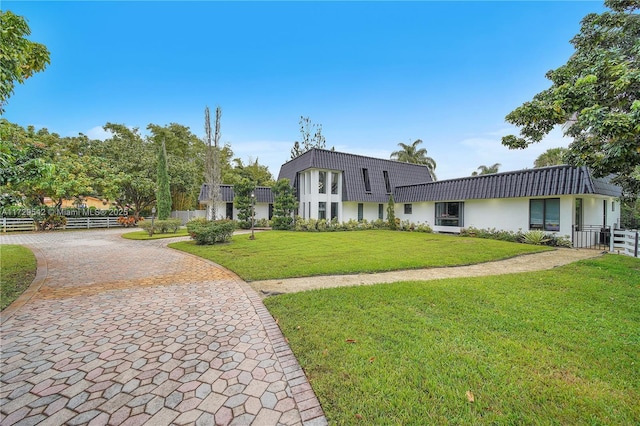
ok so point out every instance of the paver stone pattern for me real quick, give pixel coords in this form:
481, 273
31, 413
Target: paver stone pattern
130, 332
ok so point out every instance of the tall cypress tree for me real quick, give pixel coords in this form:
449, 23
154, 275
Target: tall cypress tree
164, 191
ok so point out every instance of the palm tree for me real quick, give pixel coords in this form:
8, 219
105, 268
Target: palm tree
413, 154
551, 157
484, 170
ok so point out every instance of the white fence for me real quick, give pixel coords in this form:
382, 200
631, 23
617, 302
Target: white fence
26, 224
624, 242
187, 215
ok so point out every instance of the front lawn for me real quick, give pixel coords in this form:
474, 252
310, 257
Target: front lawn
17, 271
283, 254
551, 347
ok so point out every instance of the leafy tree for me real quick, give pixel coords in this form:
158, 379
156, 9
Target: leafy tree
311, 137
487, 170
19, 58
391, 213
163, 194
135, 160
185, 159
413, 154
244, 202
551, 157
284, 204
595, 96
253, 171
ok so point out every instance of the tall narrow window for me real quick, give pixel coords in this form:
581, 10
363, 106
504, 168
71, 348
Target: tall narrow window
270, 211
334, 183
367, 183
579, 214
322, 210
301, 177
380, 211
229, 212
387, 183
322, 182
360, 212
544, 214
449, 214
334, 210
604, 213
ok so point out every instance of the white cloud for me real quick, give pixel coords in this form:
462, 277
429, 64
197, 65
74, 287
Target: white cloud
98, 133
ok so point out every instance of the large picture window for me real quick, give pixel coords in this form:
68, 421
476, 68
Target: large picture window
449, 214
544, 214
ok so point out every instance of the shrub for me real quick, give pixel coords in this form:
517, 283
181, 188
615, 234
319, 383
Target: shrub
535, 237
492, 234
161, 226
127, 221
210, 231
54, 221
263, 223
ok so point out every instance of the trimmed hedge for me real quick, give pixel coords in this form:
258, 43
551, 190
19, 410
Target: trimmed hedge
207, 232
160, 226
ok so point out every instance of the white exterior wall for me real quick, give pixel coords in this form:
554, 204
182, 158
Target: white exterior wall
262, 211
421, 213
593, 211
369, 211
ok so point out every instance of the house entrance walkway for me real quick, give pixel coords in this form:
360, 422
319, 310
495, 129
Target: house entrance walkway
129, 332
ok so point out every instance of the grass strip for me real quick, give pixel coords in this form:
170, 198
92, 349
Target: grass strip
17, 270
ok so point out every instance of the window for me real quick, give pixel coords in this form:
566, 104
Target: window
387, 184
449, 214
322, 210
380, 211
367, 183
322, 180
408, 208
334, 183
360, 212
579, 214
270, 211
229, 212
301, 177
334, 210
544, 214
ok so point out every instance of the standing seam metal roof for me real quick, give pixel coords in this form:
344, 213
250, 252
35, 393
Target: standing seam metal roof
540, 182
263, 194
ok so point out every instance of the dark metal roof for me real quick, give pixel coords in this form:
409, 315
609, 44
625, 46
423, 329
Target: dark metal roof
351, 166
263, 194
540, 182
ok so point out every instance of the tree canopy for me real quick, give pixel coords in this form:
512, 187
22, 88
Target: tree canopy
551, 157
20, 58
595, 96
487, 170
412, 154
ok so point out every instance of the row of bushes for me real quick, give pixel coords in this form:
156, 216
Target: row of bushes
530, 237
158, 226
326, 225
209, 232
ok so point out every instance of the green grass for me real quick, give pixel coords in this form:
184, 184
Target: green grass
17, 271
282, 254
143, 235
552, 347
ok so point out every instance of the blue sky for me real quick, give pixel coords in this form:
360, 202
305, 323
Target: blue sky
372, 73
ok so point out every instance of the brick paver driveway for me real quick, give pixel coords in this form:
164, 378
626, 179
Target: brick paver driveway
131, 332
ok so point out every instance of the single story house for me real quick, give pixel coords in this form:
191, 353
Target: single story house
226, 208
330, 184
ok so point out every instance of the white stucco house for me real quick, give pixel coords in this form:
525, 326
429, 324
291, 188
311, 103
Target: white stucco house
226, 208
561, 199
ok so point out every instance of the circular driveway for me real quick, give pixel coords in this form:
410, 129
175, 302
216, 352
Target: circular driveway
131, 332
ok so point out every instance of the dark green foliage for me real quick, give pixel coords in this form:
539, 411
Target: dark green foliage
391, 213
530, 237
163, 195
284, 204
243, 201
208, 232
